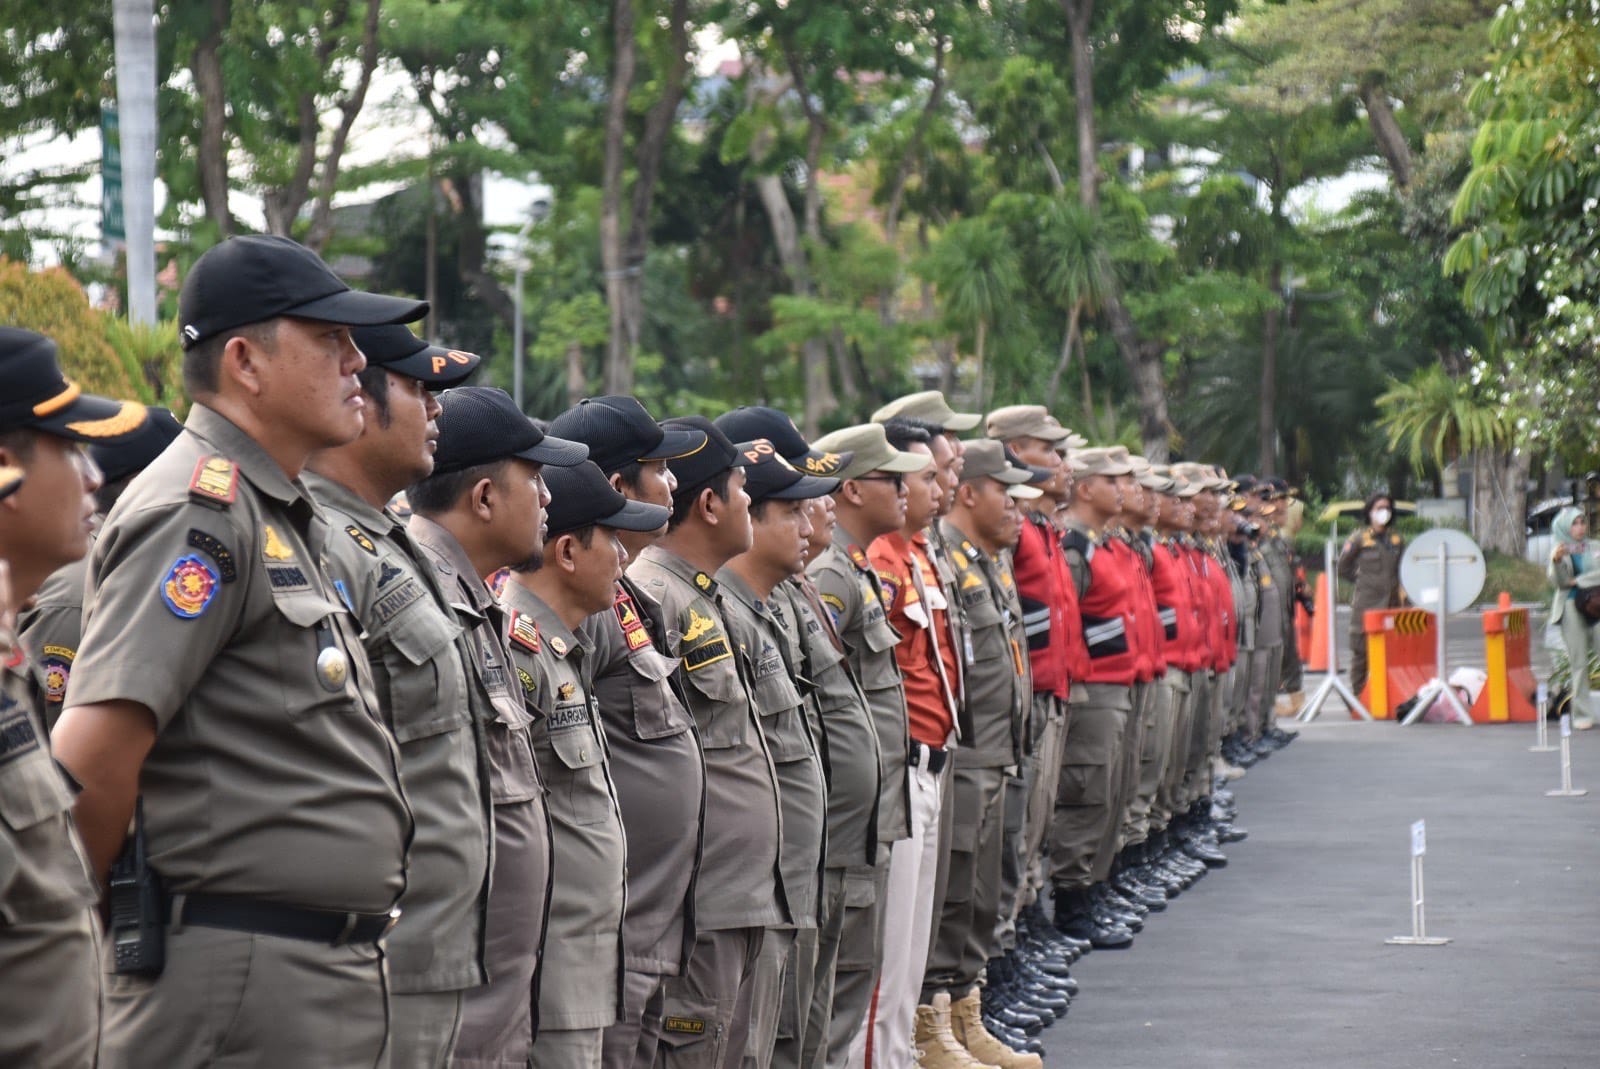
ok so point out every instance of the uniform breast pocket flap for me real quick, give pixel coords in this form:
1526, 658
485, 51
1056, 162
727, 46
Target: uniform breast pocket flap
425, 687
31, 789
316, 672
657, 713
725, 711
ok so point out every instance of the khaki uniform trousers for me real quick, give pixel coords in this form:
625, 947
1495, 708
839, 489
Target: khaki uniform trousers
50, 992
633, 1040
775, 993
808, 1049
425, 1027
1043, 772
1154, 752
702, 1027
964, 930
855, 975
1266, 665
1090, 784
240, 999
1204, 688
1132, 748
1169, 797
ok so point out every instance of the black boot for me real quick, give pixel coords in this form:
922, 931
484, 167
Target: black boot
1077, 917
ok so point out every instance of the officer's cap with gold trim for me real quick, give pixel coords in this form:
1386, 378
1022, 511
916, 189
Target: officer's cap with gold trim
35, 394
930, 407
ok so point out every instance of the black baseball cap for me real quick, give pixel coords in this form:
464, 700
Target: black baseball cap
480, 424
768, 476
394, 347
754, 421
257, 277
619, 430
131, 455
696, 469
581, 496
35, 394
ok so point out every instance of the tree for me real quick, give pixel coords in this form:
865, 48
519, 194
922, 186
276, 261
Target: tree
975, 269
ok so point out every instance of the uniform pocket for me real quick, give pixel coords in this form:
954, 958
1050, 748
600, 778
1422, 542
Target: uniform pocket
722, 714
578, 783
657, 712
425, 683
782, 718
694, 1032
305, 665
43, 873
513, 776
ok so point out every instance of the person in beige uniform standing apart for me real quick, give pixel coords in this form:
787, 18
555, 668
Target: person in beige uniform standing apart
657, 770
708, 1011
481, 510
49, 936
222, 686
422, 666
547, 598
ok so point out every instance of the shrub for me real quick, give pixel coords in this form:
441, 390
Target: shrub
52, 303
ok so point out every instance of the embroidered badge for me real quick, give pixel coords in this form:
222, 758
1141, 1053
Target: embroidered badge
633, 629
17, 736
56, 664
707, 653
272, 546
698, 625
388, 605
858, 558
569, 716
189, 587
215, 479
704, 581
214, 548
687, 1026
835, 606
287, 577
388, 573
524, 632
360, 538
890, 583
530, 685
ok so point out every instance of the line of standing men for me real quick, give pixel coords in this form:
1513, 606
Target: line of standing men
636, 743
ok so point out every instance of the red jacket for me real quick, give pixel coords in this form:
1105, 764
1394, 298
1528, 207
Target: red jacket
1049, 609
1178, 595
1107, 608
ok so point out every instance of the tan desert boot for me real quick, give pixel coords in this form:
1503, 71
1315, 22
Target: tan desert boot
937, 1045
966, 1020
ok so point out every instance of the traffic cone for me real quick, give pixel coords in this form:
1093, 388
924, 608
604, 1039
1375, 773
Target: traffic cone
1302, 632
1317, 657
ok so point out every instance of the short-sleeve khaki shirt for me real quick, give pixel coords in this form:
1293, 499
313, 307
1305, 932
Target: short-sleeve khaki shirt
272, 775
50, 628
999, 688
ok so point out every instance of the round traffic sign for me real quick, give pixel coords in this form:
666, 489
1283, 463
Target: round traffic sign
1443, 564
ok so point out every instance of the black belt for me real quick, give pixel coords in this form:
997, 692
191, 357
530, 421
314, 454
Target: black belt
274, 918
937, 758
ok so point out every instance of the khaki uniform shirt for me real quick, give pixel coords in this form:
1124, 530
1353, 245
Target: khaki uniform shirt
589, 856
273, 775
1271, 599
765, 645
847, 731
1280, 562
50, 628
850, 591
421, 660
738, 884
1244, 595
657, 773
49, 961
1371, 560
521, 874
999, 687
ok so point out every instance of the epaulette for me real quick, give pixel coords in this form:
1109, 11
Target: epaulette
858, 557
215, 482
1072, 538
524, 632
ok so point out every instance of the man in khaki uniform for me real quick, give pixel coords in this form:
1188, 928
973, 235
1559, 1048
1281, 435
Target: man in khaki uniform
769, 645
980, 529
708, 1011
657, 770
841, 722
482, 510
869, 502
49, 937
50, 624
222, 683
422, 661
546, 600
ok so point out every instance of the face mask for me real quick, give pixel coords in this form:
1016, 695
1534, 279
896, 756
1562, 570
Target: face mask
1380, 517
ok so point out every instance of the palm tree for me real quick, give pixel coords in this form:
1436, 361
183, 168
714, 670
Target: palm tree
975, 270
1080, 277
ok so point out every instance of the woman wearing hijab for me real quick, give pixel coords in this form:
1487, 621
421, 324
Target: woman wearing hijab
1572, 556
1371, 561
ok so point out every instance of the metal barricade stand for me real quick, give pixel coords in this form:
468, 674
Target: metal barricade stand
1419, 936
1331, 684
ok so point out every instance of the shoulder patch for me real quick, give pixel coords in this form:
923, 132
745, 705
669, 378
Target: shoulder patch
359, 537
858, 557
189, 587
634, 632
835, 607
699, 625
524, 632
213, 547
56, 666
215, 481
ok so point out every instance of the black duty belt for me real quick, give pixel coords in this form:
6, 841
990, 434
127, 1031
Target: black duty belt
274, 918
937, 758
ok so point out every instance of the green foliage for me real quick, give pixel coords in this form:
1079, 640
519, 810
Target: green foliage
1439, 419
152, 360
52, 303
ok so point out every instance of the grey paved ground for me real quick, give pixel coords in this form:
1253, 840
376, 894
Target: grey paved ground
1279, 960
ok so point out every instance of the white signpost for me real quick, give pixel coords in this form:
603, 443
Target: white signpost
1541, 734
1442, 571
1419, 936
1566, 790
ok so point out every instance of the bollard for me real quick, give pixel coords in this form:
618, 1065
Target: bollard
1401, 657
1419, 936
1508, 659
1541, 736
1321, 620
1566, 790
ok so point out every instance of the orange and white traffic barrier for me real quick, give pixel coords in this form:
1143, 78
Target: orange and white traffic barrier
1508, 657
1401, 657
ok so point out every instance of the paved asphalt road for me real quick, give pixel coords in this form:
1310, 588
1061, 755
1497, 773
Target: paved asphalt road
1278, 961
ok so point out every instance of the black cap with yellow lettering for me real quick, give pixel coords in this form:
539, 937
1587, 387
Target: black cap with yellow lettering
394, 347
